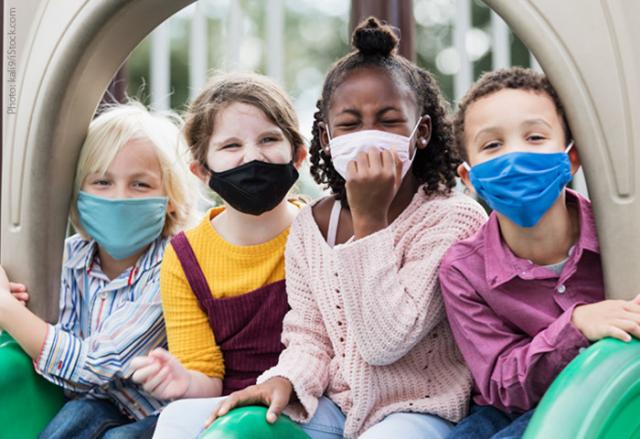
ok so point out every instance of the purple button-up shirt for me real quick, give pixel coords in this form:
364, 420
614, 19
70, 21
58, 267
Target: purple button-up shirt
512, 318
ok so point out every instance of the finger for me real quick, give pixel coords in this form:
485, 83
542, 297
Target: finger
279, 401
157, 379
161, 354
615, 332
399, 165
352, 169
142, 375
214, 415
629, 326
22, 297
16, 287
632, 306
636, 299
363, 161
374, 155
139, 362
387, 159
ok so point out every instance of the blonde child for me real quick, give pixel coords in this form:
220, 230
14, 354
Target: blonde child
130, 195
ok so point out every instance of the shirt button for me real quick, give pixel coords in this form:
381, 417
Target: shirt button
581, 350
561, 289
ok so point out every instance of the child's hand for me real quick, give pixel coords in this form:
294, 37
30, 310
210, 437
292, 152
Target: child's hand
372, 182
274, 393
161, 375
19, 291
610, 318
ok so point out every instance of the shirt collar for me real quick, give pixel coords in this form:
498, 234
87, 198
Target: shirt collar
502, 265
84, 257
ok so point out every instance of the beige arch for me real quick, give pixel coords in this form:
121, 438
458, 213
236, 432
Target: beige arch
586, 47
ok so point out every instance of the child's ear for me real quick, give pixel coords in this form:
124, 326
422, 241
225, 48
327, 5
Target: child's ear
200, 171
574, 158
424, 132
299, 155
323, 135
170, 207
464, 176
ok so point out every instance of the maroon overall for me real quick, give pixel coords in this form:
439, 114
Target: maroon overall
247, 328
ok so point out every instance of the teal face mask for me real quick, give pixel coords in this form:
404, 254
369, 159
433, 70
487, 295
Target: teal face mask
122, 226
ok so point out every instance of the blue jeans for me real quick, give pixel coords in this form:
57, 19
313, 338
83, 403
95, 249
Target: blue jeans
184, 419
328, 423
94, 418
486, 422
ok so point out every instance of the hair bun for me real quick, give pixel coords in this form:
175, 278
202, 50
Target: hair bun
374, 38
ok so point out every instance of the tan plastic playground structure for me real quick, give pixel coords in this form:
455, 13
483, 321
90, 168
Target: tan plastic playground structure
72, 48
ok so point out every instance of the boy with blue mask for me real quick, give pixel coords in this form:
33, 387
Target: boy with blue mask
525, 294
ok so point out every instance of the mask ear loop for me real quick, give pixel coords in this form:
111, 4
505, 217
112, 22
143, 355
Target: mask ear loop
415, 151
326, 148
568, 148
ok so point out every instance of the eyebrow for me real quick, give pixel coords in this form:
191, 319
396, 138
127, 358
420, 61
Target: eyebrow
537, 121
144, 174
355, 112
274, 133
485, 131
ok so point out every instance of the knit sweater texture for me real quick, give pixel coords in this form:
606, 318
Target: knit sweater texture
367, 325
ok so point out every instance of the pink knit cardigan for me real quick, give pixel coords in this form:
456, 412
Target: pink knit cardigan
367, 325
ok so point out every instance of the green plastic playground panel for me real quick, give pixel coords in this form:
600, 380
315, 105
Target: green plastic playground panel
27, 401
250, 423
597, 396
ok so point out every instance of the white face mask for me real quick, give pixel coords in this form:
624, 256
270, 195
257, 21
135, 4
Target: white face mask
345, 148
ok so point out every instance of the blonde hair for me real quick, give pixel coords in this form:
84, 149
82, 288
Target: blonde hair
109, 133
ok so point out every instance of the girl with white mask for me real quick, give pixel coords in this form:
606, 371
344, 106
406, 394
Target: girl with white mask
368, 351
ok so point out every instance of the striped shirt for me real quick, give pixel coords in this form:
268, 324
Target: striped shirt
104, 324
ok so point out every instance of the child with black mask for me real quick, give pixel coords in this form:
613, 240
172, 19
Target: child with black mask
222, 282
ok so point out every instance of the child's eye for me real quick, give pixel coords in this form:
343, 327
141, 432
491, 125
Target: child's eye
101, 182
141, 184
393, 122
535, 138
231, 145
490, 145
270, 139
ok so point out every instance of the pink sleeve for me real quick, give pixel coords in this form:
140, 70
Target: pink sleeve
305, 360
391, 293
510, 369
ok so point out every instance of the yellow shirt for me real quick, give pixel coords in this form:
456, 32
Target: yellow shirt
230, 270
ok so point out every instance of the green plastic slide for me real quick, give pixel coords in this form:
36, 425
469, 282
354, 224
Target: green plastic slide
250, 423
27, 401
597, 396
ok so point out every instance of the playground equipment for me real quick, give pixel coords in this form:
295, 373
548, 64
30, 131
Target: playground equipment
72, 48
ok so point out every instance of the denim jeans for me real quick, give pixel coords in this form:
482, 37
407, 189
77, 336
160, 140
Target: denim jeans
94, 418
486, 422
184, 419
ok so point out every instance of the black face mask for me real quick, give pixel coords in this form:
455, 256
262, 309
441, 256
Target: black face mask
255, 187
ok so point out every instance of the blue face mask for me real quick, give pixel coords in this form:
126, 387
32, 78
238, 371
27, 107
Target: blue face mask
122, 226
522, 185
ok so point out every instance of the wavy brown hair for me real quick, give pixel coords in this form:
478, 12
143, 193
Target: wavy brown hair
247, 88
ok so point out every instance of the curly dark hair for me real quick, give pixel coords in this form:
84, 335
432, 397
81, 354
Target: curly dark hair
375, 46
517, 78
